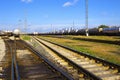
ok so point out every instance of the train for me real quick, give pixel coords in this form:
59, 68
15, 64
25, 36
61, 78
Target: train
6, 33
16, 33
111, 31
2, 33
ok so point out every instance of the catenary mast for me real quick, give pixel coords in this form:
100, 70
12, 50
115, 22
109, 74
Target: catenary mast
86, 17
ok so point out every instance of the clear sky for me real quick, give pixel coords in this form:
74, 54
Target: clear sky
40, 14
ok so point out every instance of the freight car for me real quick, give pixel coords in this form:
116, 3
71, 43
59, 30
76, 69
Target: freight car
114, 31
111, 31
16, 33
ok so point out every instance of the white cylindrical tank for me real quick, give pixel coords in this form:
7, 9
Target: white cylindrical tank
16, 31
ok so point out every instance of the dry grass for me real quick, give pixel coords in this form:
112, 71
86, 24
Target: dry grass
108, 52
26, 37
108, 38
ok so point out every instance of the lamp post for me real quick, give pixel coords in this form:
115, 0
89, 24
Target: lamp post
86, 17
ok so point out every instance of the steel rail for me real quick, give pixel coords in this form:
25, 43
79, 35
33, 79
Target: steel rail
81, 69
17, 75
14, 67
111, 65
12, 62
31, 48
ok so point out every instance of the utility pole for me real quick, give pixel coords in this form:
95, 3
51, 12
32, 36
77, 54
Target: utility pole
25, 23
19, 25
52, 28
73, 24
86, 17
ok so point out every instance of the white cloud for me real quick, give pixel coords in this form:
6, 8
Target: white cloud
67, 4
27, 1
75, 1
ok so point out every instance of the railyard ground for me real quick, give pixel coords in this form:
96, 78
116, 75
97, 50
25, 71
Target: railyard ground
109, 52
2, 49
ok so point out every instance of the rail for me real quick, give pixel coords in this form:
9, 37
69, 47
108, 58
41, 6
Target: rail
111, 65
17, 75
87, 73
12, 62
14, 67
31, 48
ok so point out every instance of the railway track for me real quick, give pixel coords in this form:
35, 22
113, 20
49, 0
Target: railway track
65, 65
6, 63
88, 66
27, 65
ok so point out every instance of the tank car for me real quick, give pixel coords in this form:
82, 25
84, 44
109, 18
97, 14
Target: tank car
111, 31
80, 32
95, 31
16, 33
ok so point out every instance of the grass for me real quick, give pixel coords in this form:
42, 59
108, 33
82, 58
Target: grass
105, 51
25, 37
108, 38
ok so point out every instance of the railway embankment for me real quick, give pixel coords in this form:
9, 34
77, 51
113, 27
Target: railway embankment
64, 53
109, 52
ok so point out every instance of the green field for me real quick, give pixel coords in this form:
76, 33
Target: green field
25, 37
108, 38
110, 52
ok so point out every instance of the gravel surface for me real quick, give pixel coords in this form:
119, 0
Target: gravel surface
2, 49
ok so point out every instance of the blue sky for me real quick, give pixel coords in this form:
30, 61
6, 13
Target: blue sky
40, 14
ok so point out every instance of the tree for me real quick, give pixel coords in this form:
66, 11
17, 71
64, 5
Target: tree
103, 26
